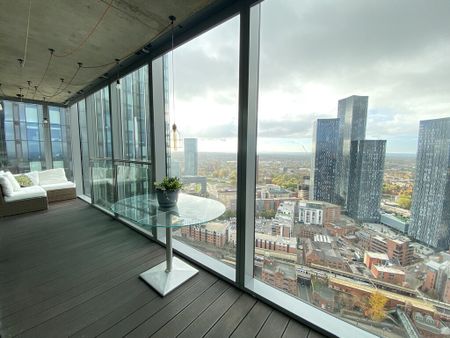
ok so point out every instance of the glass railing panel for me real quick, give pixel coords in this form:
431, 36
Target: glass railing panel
132, 180
102, 174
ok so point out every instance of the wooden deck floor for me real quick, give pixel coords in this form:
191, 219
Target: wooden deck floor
72, 271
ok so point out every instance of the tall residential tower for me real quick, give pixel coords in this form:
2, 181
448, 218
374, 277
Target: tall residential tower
352, 114
430, 209
323, 164
190, 157
366, 179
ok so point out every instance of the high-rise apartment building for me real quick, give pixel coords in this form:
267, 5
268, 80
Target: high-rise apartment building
352, 114
365, 186
323, 164
190, 157
430, 211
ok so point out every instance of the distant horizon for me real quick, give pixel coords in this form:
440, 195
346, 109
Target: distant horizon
282, 152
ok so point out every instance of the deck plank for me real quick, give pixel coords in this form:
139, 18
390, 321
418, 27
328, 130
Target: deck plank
74, 271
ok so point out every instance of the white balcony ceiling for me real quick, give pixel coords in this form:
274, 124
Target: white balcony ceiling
67, 26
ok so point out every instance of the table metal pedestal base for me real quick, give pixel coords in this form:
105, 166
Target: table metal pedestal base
164, 282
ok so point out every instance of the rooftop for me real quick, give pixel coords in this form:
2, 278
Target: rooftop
377, 255
389, 269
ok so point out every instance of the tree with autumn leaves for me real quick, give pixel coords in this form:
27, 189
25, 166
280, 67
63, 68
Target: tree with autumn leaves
375, 308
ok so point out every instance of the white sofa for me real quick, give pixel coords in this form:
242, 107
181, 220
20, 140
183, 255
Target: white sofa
48, 186
55, 183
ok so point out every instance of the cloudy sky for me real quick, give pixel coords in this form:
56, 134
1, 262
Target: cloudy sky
313, 53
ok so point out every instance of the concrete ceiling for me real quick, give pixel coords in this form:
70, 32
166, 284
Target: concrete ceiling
68, 27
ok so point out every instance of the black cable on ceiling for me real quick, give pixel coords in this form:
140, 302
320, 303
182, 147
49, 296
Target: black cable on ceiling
48, 65
69, 83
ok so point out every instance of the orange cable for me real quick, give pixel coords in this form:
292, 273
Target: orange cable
88, 35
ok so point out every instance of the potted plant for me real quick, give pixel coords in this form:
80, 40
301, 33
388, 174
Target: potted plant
167, 191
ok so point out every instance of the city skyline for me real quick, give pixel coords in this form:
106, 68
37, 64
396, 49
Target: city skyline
430, 219
404, 71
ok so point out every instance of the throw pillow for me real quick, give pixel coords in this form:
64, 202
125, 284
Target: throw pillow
34, 177
24, 180
7, 187
14, 183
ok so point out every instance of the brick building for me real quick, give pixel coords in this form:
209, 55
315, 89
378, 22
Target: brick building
399, 250
212, 233
276, 243
388, 274
281, 276
375, 258
322, 251
318, 213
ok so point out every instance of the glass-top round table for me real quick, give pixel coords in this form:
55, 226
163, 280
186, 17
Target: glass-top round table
190, 210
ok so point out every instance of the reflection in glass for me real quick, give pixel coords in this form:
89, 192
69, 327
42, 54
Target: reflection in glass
205, 112
348, 218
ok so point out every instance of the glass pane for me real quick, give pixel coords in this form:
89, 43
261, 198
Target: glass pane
84, 147
55, 115
34, 150
35, 166
31, 113
202, 98
8, 110
24, 124
9, 131
133, 115
102, 193
99, 125
58, 164
353, 159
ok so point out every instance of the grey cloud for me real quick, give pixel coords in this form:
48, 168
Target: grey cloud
396, 52
288, 128
212, 66
228, 130
327, 39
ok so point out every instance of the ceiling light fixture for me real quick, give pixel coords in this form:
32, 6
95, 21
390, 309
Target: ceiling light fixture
176, 138
118, 85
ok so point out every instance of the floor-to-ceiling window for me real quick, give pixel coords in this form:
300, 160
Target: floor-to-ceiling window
352, 149
133, 115
98, 119
28, 137
84, 147
132, 135
60, 138
201, 94
350, 222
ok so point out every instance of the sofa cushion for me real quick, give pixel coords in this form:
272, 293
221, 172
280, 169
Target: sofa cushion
58, 186
12, 179
7, 187
26, 193
23, 180
52, 176
34, 177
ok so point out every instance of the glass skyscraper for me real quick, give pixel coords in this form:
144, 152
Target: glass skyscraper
323, 165
190, 157
352, 114
366, 172
430, 209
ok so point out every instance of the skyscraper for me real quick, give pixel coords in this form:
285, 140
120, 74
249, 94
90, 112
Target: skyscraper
323, 164
366, 183
430, 209
190, 157
352, 114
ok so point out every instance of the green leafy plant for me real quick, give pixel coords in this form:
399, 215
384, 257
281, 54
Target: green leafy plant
169, 184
